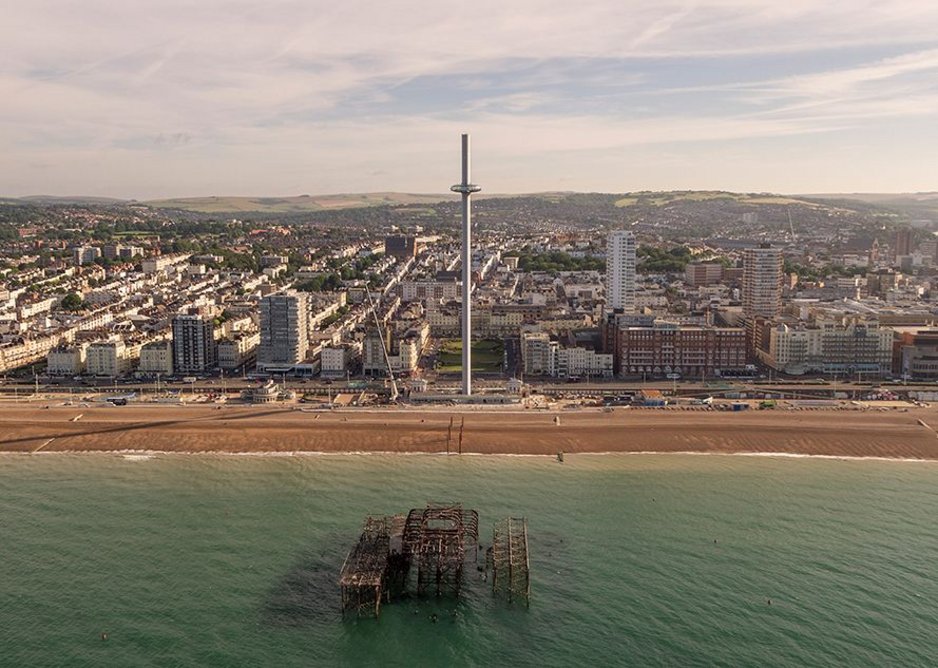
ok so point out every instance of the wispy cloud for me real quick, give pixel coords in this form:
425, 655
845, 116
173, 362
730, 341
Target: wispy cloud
268, 96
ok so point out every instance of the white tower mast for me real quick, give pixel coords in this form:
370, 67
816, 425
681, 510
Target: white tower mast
466, 188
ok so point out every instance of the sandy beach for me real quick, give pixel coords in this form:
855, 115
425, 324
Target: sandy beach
905, 433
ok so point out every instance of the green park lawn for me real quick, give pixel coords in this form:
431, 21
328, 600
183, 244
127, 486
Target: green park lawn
487, 356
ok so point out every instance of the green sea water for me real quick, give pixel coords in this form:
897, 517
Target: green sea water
643, 560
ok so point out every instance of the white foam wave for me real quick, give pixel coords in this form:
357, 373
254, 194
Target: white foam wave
141, 455
786, 455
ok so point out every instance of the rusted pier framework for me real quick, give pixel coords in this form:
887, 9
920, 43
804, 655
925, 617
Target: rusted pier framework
436, 538
363, 573
508, 558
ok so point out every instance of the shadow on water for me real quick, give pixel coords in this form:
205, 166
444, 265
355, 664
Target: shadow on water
308, 593
427, 630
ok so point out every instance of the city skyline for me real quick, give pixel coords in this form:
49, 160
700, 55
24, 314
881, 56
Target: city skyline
672, 342
110, 100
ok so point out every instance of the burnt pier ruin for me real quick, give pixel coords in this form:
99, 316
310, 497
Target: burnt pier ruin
435, 541
508, 558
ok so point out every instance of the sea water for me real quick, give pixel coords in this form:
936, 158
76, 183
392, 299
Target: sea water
642, 560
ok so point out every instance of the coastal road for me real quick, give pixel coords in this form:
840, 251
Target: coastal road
233, 386
512, 356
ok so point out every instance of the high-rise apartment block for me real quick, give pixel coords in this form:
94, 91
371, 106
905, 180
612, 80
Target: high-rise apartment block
903, 242
284, 325
376, 342
620, 271
762, 282
193, 344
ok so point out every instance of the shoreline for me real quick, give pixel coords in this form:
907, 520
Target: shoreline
142, 455
278, 430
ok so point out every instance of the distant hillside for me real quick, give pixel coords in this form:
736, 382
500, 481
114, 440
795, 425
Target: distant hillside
318, 203
65, 199
308, 203
662, 198
877, 198
298, 204
685, 214
916, 206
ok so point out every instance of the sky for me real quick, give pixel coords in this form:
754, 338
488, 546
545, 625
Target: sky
143, 99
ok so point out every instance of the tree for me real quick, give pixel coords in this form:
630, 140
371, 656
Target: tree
8, 233
554, 261
323, 283
72, 302
652, 259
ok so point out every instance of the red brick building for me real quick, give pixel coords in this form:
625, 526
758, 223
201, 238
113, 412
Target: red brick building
693, 352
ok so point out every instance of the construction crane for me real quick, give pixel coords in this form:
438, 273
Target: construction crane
384, 345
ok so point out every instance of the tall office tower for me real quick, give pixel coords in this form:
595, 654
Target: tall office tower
620, 271
903, 242
284, 323
193, 344
762, 281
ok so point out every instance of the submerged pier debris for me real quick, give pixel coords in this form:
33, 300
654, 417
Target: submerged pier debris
436, 540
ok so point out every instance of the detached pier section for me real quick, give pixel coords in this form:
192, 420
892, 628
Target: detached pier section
508, 558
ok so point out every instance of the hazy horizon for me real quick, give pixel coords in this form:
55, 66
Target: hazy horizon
237, 99
447, 195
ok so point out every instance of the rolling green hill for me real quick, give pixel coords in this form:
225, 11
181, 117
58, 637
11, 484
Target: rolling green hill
671, 209
670, 197
296, 204
917, 206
